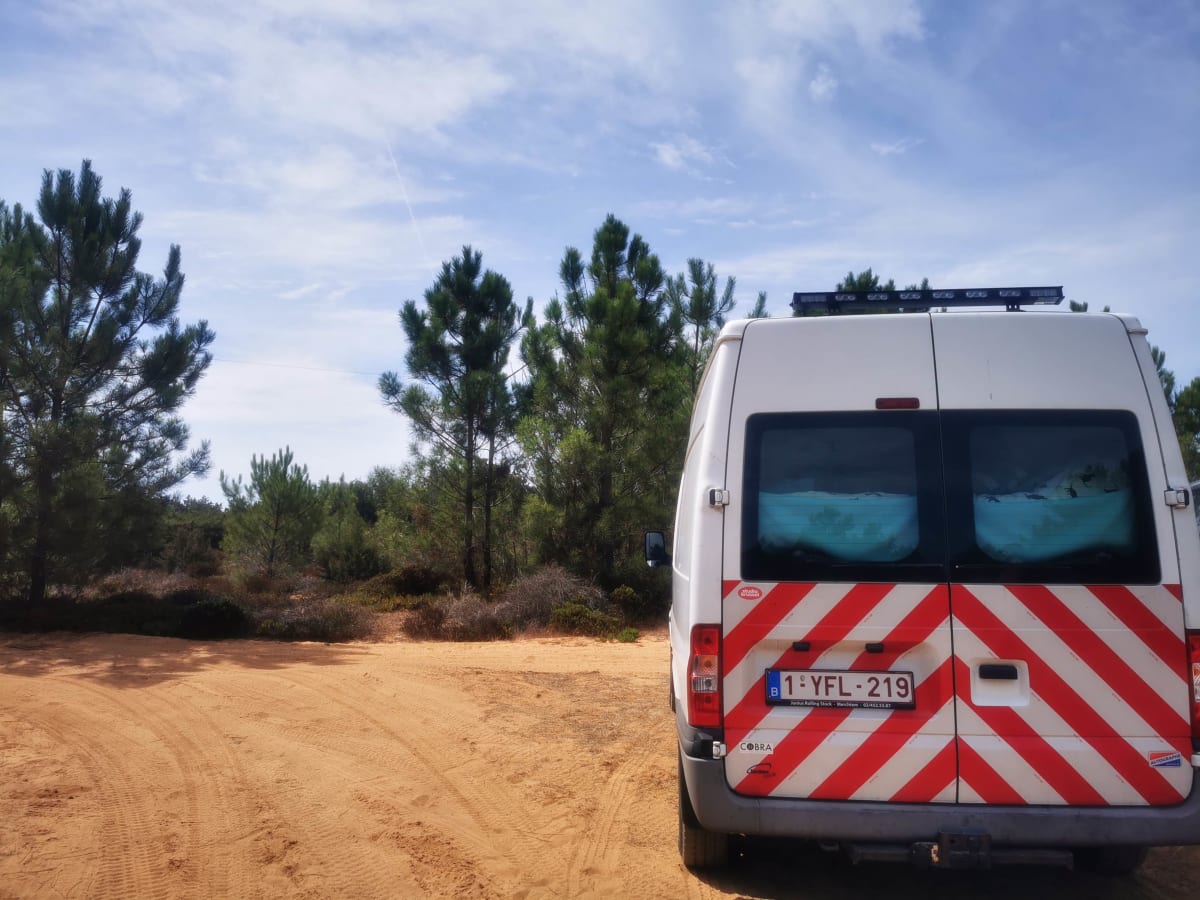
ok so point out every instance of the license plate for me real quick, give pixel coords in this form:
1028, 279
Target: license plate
834, 688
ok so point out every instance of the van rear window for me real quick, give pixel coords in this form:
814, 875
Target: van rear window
1049, 496
1000, 497
839, 496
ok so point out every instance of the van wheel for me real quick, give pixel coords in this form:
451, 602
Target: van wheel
1110, 860
700, 848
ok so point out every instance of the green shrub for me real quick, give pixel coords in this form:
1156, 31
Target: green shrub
188, 596
426, 621
575, 618
465, 618
340, 546
471, 618
411, 580
130, 612
652, 586
531, 599
634, 606
317, 619
628, 635
213, 618
377, 603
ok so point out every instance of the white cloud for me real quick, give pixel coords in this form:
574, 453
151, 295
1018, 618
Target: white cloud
261, 237
334, 422
709, 208
823, 85
767, 82
820, 21
682, 153
897, 147
327, 177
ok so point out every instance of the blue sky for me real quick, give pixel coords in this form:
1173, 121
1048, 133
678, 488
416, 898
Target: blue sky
316, 161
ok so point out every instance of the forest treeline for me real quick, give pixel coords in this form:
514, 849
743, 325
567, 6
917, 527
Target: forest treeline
541, 438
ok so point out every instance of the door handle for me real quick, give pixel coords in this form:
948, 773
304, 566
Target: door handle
998, 671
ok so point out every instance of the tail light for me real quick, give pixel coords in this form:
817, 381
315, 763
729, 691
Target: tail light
1193, 640
704, 677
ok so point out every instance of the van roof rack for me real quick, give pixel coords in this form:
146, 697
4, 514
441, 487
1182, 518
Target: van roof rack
922, 301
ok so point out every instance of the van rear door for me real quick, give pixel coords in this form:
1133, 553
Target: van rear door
1067, 615
836, 659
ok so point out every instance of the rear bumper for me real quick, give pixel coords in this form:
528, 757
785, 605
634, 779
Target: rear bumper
719, 809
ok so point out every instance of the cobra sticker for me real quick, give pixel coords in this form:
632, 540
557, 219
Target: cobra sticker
756, 747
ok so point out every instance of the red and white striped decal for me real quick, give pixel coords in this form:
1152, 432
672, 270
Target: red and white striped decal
1107, 695
861, 754
1104, 706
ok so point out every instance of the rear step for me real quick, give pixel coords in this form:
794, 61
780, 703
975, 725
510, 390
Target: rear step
957, 850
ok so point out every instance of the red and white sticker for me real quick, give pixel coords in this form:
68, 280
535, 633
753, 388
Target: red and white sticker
1170, 759
750, 592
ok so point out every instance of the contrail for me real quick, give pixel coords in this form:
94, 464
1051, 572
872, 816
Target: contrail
404, 194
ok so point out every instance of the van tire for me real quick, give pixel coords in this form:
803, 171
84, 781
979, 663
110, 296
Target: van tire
700, 848
1110, 860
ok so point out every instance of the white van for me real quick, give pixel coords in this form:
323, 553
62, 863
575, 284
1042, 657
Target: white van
936, 588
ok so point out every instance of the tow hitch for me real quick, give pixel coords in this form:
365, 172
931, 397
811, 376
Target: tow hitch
973, 850
957, 850
954, 850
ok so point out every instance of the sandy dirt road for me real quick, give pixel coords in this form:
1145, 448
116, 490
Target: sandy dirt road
140, 767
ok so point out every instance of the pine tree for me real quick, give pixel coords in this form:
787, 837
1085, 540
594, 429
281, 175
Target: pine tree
702, 311
94, 367
458, 400
271, 521
608, 404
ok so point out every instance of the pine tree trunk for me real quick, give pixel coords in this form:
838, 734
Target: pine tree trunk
44, 486
489, 501
469, 510
607, 548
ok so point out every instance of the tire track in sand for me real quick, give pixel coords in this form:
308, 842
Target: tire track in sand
208, 779
486, 802
600, 851
125, 865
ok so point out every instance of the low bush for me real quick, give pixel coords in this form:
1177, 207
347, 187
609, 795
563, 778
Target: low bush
575, 618
318, 619
213, 618
471, 618
467, 617
255, 582
532, 599
410, 580
426, 621
188, 596
634, 606
376, 603
652, 587
130, 612
145, 581
628, 635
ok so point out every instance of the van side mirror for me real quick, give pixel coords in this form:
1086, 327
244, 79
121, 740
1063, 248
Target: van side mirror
656, 549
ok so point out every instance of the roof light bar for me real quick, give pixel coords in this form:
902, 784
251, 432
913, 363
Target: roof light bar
921, 301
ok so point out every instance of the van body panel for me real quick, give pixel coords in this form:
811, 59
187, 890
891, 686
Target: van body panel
1006, 360
1101, 717
834, 363
720, 809
832, 753
1097, 716
1183, 519
696, 566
